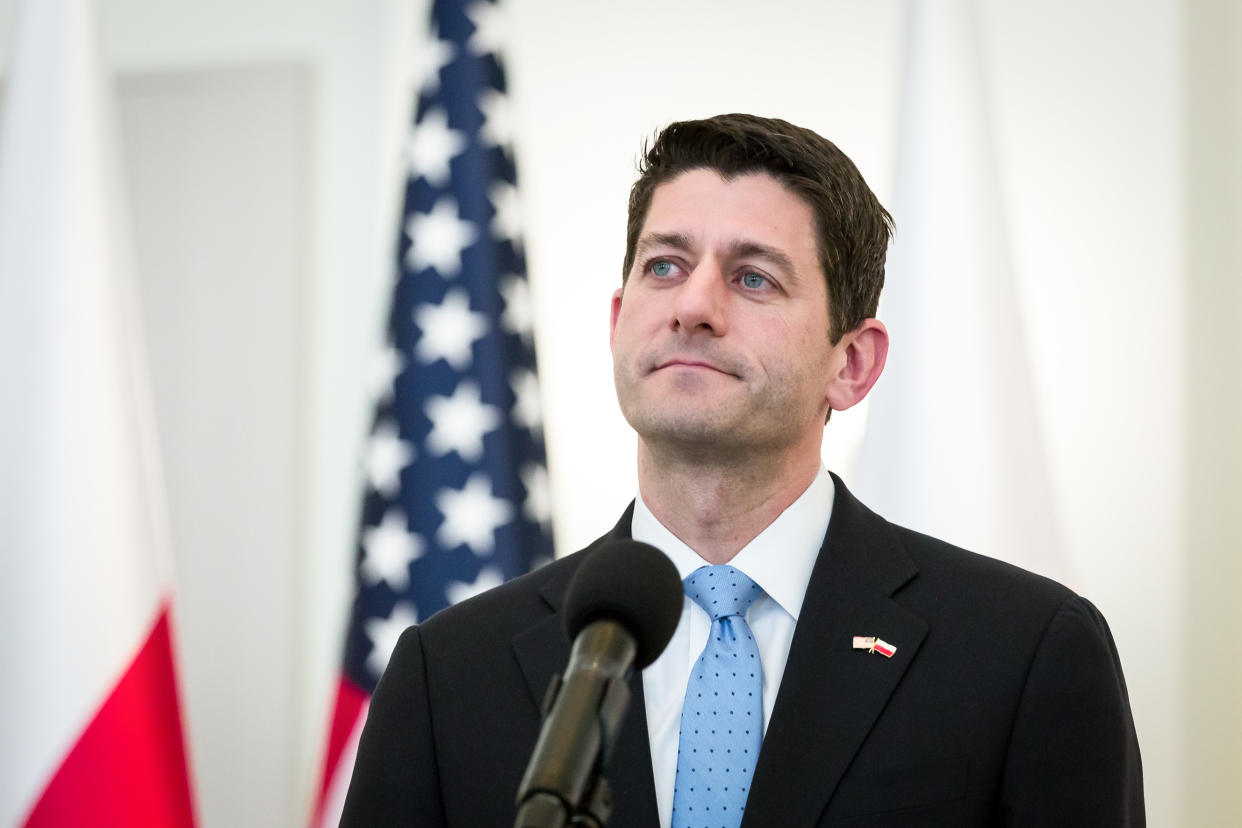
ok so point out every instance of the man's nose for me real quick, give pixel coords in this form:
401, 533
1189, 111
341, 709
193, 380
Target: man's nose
702, 299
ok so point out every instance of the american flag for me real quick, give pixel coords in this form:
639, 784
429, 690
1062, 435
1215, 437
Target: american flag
456, 481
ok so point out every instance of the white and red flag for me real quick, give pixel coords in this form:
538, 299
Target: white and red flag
90, 728
953, 443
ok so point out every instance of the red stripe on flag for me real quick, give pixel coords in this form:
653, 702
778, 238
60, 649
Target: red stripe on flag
350, 701
128, 768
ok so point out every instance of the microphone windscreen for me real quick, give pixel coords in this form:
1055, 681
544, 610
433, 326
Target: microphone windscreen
632, 583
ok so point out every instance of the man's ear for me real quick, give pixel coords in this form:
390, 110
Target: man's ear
616, 311
863, 353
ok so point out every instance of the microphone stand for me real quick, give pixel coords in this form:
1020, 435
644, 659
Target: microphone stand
564, 784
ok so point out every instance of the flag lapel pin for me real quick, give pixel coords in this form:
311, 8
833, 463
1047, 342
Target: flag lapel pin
874, 645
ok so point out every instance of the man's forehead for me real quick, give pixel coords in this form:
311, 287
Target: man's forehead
750, 214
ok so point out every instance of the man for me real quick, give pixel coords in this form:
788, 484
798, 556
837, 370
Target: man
901, 681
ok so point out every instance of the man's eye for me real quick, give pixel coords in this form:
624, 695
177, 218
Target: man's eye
662, 268
754, 280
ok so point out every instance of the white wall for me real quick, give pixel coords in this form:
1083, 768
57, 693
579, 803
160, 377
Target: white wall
219, 188
1091, 145
1211, 676
1090, 100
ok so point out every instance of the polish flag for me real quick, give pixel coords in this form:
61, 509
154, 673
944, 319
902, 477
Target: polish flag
953, 441
90, 729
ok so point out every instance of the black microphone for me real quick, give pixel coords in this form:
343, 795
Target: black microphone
620, 611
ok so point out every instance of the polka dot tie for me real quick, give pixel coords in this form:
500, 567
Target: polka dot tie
722, 720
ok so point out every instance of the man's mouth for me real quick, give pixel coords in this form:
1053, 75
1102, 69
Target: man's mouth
692, 364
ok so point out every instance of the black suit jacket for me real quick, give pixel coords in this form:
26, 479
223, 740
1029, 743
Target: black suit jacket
1004, 703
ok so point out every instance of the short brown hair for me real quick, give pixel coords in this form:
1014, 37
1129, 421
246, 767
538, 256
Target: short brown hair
852, 227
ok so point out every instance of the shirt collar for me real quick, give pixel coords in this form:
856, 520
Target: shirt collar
779, 559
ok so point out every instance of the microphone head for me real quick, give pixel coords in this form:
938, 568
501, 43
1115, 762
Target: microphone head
633, 584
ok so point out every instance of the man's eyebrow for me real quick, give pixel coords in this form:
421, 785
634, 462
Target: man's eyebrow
739, 249
677, 241
755, 250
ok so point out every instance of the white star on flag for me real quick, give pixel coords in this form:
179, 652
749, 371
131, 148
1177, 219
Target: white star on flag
384, 634
538, 505
454, 390
449, 329
431, 146
526, 409
472, 515
459, 422
428, 59
489, 576
518, 316
507, 223
387, 455
489, 27
382, 372
389, 549
438, 238
497, 129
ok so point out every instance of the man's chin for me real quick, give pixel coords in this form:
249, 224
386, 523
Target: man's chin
695, 430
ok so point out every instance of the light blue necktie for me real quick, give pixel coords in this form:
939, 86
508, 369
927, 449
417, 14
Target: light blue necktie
722, 720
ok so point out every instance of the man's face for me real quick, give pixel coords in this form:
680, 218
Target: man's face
720, 337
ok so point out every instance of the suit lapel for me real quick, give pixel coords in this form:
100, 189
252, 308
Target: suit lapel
542, 651
831, 694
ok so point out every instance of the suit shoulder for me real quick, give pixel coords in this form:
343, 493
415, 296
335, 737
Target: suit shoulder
984, 582
981, 603
509, 606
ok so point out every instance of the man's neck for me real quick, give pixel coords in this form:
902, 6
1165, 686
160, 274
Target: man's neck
718, 508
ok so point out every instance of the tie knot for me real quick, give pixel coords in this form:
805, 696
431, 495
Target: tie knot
721, 590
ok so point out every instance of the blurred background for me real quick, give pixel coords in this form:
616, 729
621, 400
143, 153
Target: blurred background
262, 144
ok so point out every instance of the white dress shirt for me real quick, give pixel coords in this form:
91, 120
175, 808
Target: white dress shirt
779, 560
